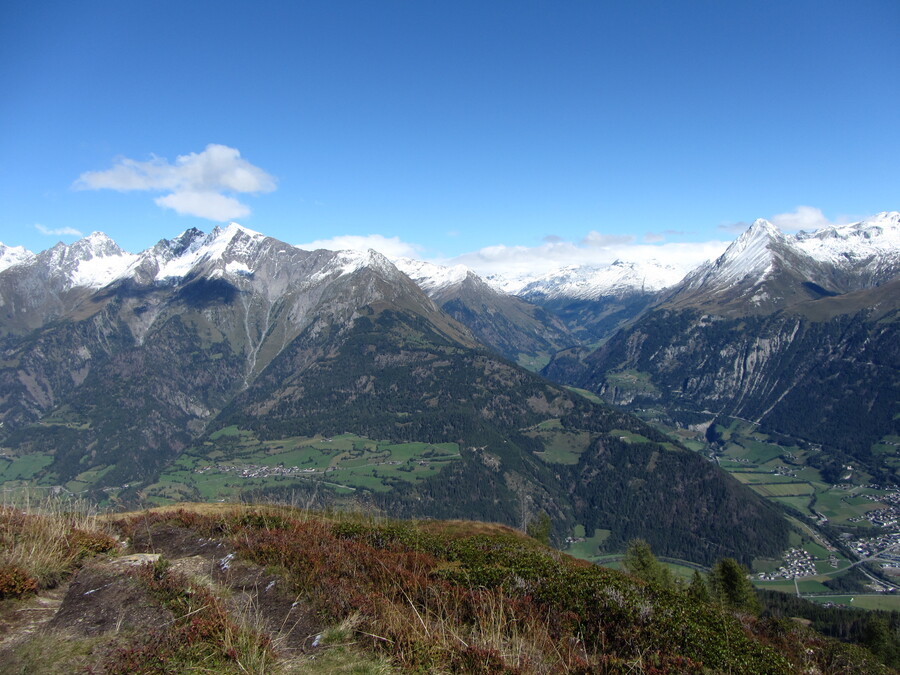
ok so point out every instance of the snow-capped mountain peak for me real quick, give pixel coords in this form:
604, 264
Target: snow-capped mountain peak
90, 262
875, 238
761, 234
764, 269
235, 240
13, 255
750, 256
228, 249
430, 277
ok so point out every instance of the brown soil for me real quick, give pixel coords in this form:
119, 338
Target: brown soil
100, 599
176, 542
102, 606
19, 620
261, 599
264, 601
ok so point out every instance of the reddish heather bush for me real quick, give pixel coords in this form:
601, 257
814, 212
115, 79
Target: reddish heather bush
15, 582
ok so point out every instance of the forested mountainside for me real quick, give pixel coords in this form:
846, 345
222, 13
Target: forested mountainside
396, 378
834, 383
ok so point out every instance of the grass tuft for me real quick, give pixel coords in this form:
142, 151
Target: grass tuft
49, 539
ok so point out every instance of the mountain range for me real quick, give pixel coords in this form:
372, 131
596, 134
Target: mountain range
130, 375
797, 334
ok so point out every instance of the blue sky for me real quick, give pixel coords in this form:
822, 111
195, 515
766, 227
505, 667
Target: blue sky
442, 128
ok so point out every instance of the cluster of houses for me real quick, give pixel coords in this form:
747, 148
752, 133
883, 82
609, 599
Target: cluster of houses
870, 546
798, 562
257, 470
889, 516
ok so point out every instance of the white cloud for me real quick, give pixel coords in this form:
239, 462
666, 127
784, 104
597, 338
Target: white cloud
391, 247
802, 218
57, 232
553, 253
513, 261
656, 237
210, 205
196, 182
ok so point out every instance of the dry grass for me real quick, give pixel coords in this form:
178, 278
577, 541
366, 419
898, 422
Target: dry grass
201, 508
48, 538
469, 528
424, 596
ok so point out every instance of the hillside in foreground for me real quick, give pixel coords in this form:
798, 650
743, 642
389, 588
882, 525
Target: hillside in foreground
238, 589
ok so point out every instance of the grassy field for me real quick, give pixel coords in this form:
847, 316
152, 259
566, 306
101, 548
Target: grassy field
806, 585
840, 505
784, 489
751, 477
588, 395
23, 468
589, 548
561, 446
888, 602
631, 380
344, 463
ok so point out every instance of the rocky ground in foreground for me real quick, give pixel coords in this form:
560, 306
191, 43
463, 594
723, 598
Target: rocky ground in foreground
216, 588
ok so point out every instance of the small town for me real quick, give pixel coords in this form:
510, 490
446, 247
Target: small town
888, 517
798, 562
872, 546
256, 470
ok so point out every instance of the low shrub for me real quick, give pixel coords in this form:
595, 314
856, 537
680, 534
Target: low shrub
51, 541
202, 636
15, 582
497, 602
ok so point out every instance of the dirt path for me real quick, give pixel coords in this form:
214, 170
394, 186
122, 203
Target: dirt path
19, 622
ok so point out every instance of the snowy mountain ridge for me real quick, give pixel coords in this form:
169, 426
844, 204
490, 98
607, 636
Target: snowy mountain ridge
431, 277
586, 282
872, 244
839, 258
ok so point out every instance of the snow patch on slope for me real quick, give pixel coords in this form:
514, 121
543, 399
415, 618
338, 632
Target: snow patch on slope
98, 272
347, 262
238, 268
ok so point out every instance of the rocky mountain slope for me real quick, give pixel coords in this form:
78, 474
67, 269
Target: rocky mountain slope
519, 330
798, 334
144, 361
208, 339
